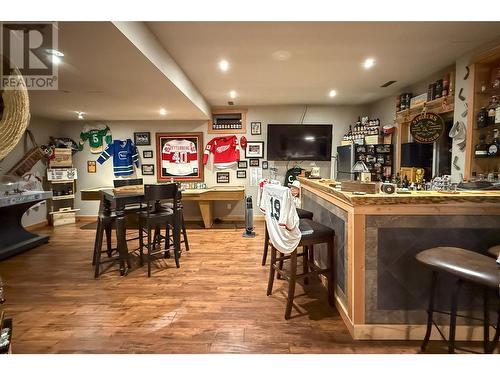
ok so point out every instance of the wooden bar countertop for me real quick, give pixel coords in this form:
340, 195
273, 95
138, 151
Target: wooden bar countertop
413, 197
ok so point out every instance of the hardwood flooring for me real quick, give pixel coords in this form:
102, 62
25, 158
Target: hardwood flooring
215, 303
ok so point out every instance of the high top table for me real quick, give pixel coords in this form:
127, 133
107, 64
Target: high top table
14, 238
204, 197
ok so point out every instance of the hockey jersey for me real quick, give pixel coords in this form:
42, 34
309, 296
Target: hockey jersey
125, 156
179, 158
282, 220
96, 135
260, 189
225, 151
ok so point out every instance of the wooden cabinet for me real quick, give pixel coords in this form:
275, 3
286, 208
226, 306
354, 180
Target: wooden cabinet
483, 73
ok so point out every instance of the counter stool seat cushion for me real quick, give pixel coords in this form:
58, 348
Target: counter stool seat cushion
304, 214
319, 231
465, 264
494, 251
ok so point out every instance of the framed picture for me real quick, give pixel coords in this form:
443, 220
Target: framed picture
179, 156
142, 138
264, 164
255, 128
148, 169
254, 162
222, 177
147, 154
241, 174
242, 164
254, 149
91, 166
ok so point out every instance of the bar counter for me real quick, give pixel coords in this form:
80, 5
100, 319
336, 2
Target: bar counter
381, 290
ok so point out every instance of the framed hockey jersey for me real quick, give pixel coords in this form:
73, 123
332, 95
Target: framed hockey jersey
179, 156
97, 135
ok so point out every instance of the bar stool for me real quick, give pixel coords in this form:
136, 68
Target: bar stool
156, 216
168, 235
464, 266
303, 214
320, 234
494, 251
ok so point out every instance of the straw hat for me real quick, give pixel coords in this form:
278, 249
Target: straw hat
15, 117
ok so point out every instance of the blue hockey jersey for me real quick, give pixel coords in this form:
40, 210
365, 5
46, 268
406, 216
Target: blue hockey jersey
124, 157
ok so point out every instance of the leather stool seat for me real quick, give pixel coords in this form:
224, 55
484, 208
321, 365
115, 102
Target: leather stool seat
494, 251
464, 264
319, 231
304, 214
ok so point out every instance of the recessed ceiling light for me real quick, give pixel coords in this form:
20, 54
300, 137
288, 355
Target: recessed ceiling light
369, 63
54, 52
281, 55
80, 115
224, 65
55, 59
163, 111
332, 93
232, 94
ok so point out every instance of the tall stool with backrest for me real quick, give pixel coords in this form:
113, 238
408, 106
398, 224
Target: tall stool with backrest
156, 215
168, 233
287, 232
466, 267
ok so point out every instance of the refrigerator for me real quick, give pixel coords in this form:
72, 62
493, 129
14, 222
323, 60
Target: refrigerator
345, 161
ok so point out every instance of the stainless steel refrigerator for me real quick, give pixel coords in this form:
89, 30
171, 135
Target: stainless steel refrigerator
345, 161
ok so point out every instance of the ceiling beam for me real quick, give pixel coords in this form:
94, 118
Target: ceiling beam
146, 42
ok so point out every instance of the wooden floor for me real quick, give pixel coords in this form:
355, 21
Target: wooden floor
215, 303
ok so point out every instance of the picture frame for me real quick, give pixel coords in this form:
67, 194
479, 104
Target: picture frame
254, 162
222, 177
91, 166
148, 169
179, 156
147, 154
265, 164
241, 174
254, 149
255, 128
142, 138
242, 164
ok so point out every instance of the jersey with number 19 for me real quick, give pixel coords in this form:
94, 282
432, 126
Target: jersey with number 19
282, 220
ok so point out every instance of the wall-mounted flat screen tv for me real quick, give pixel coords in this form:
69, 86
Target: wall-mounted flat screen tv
299, 142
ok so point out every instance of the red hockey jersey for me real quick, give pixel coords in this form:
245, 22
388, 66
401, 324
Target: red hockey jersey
225, 151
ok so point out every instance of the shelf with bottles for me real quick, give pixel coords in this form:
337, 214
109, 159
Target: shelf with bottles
362, 130
439, 106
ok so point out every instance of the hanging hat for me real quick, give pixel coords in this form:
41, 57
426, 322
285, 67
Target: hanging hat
388, 129
243, 142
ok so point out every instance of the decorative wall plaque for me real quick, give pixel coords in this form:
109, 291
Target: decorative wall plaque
426, 127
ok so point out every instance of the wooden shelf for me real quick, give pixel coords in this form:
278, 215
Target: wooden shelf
62, 212
62, 197
62, 181
438, 106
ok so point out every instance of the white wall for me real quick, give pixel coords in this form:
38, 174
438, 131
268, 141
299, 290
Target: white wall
339, 116
41, 129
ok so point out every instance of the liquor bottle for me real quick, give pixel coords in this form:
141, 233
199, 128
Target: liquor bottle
492, 110
451, 89
494, 146
446, 85
349, 134
481, 148
429, 92
439, 88
497, 113
482, 118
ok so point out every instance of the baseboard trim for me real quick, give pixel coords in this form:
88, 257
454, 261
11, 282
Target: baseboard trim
39, 225
260, 218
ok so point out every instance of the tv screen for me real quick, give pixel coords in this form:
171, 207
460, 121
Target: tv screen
299, 142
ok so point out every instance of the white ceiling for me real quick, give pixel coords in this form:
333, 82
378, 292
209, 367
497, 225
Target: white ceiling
324, 56
107, 77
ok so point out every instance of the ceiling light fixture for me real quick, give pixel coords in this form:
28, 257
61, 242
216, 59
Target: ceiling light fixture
369, 63
281, 55
232, 94
332, 93
223, 65
163, 111
80, 115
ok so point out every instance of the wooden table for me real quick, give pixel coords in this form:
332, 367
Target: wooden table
14, 238
204, 197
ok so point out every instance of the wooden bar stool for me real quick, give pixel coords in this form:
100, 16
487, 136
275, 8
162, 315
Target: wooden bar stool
464, 266
303, 214
320, 234
156, 216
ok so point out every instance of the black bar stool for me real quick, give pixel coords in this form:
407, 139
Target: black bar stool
168, 233
156, 216
464, 266
320, 234
303, 214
